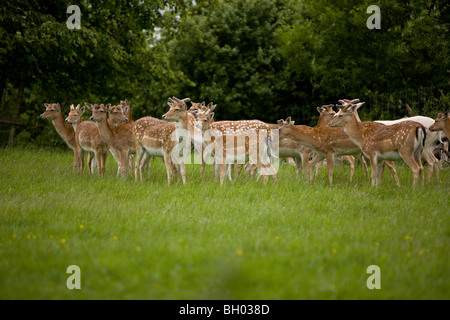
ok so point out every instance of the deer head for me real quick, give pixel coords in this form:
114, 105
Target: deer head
117, 114
178, 109
99, 112
75, 114
345, 113
442, 120
52, 110
204, 116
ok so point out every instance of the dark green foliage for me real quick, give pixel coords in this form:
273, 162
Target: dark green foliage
265, 59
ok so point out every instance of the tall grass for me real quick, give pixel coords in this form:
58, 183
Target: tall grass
286, 240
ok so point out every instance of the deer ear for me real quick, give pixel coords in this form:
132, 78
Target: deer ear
81, 109
211, 115
58, 106
280, 121
288, 119
358, 105
72, 107
88, 105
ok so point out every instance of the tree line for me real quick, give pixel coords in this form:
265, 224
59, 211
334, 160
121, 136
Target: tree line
255, 59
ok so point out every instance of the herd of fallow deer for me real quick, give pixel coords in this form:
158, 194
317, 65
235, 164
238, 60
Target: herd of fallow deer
342, 133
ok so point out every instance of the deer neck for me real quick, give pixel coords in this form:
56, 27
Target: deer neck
105, 130
322, 121
354, 130
184, 123
446, 128
63, 129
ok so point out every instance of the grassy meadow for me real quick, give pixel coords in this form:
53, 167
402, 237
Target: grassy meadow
286, 240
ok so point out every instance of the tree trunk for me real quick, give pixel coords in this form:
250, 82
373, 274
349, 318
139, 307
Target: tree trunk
15, 114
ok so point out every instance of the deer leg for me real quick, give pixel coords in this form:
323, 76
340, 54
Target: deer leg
373, 169
413, 165
169, 166
137, 162
312, 163
222, 170
76, 159
364, 164
351, 160
317, 167
391, 167
330, 166
238, 170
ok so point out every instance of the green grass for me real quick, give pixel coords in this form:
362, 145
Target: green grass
286, 240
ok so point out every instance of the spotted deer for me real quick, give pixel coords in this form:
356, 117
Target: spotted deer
326, 115
158, 138
244, 138
404, 140
431, 137
203, 116
88, 139
328, 142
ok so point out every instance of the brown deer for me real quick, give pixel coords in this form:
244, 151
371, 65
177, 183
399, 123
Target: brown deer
243, 139
65, 130
431, 138
88, 139
404, 140
158, 138
326, 115
120, 141
442, 123
203, 116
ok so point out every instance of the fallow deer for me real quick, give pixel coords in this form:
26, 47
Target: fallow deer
158, 138
326, 115
442, 123
431, 138
404, 140
250, 132
65, 130
120, 141
88, 139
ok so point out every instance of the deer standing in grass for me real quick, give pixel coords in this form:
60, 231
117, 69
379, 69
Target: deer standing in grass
158, 138
65, 130
118, 137
431, 137
404, 140
88, 140
326, 115
328, 142
202, 117
235, 131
